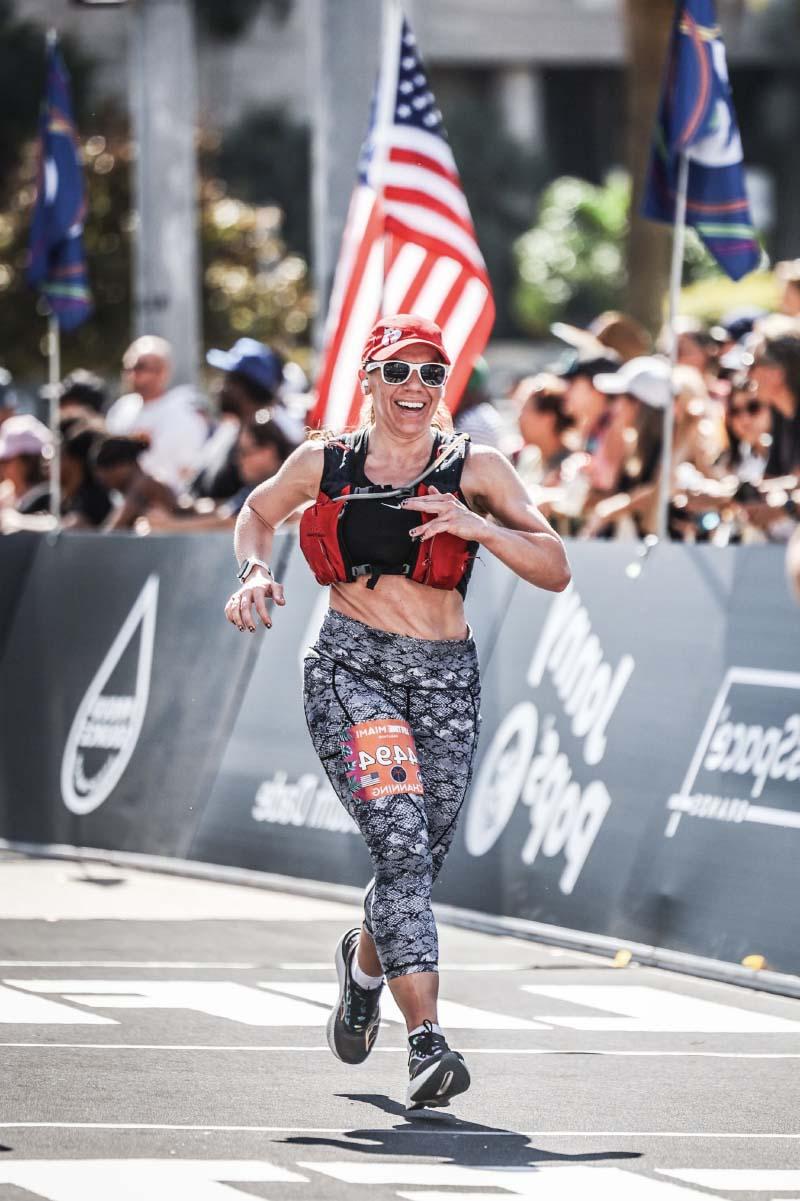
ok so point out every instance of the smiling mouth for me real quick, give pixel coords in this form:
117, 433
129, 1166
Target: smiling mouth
411, 406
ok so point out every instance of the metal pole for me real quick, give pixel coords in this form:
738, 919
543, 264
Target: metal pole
163, 104
343, 49
674, 303
54, 378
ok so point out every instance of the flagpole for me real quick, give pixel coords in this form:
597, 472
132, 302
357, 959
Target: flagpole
54, 378
676, 275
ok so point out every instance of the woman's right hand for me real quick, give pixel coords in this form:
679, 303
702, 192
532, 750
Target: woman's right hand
253, 595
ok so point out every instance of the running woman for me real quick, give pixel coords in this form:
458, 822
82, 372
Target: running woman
392, 690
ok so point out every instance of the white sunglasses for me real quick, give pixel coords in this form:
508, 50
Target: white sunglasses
398, 371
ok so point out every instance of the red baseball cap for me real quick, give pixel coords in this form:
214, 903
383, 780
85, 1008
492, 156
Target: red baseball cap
391, 334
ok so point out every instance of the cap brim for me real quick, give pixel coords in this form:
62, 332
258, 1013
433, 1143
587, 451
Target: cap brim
611, 385
735, 359
389, 352
219, 358
573, 335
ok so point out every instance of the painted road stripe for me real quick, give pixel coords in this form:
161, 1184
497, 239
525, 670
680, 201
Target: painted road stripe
136, 1179
653, 1011
18, 1008
744, 1179
328, 966
148, 963
383, 1131
402, 1049
542, 1183
451, 1013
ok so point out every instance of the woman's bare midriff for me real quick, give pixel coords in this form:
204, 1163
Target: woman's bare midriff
403, 607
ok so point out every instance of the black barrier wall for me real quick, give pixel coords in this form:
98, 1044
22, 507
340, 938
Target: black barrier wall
638, 773
119, 685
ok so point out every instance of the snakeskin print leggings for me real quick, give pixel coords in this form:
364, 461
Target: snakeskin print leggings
355, 674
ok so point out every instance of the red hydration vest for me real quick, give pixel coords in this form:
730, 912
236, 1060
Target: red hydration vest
328, 533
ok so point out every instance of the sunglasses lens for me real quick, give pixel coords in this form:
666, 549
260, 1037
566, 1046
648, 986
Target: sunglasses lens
433, 374
395, 372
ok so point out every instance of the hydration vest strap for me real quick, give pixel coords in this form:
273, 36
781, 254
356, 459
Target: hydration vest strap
457, 446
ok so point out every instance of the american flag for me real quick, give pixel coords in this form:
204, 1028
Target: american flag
409, 244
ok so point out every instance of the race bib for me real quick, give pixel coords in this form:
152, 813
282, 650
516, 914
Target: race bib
381, 759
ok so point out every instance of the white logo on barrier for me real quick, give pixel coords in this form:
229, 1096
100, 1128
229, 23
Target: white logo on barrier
106, 727
525, 761
747, 758
307, 801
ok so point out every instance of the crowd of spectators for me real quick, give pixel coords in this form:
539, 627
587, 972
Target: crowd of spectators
157, 459
586, 435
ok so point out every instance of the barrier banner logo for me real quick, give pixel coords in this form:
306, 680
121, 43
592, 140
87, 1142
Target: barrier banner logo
747, 762
526, 762
107, 725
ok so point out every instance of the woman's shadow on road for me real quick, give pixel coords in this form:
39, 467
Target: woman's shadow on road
431, 1133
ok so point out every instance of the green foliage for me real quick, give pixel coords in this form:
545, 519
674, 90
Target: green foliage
710, 297
265, 159
251, 285
571, 265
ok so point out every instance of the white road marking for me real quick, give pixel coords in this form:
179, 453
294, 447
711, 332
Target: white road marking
216, 998
451, 1013
448, 1131
655, 1010
140, 1179
760, 1180
327, 966
271, 1003
178, 964
543, 1183
402, 1049
20, 1008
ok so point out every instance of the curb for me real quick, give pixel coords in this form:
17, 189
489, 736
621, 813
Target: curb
467, 919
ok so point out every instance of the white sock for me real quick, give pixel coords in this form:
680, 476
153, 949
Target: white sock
361, 978
421, 1030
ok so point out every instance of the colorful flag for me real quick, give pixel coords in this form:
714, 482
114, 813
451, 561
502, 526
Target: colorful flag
697, 118
409, 244
57, 266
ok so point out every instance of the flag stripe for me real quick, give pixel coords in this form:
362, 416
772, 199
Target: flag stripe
409, 243
410, 302
411, 196
420, 158
405, 271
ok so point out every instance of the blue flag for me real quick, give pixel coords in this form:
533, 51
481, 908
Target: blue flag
57, 266
697, 118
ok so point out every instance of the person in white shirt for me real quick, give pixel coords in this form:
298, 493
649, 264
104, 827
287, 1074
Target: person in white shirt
166, 415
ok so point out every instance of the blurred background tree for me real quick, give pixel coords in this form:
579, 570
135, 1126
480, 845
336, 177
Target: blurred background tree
571, 264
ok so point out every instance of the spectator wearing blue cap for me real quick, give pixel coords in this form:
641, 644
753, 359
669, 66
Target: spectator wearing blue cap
252, 382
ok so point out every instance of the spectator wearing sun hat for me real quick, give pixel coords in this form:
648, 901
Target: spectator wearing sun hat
24, 445
641, 390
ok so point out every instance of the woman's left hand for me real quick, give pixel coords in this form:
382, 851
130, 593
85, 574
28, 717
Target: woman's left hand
449, 515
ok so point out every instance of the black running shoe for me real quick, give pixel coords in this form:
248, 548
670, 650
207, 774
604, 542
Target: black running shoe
436, 1073
355, 1020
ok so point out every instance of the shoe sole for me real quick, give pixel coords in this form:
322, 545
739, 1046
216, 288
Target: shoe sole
341, 972
433, 1088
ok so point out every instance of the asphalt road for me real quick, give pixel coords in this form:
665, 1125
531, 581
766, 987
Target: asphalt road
165, 1038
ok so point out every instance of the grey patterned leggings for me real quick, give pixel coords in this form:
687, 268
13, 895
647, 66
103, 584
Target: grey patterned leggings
357, 674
